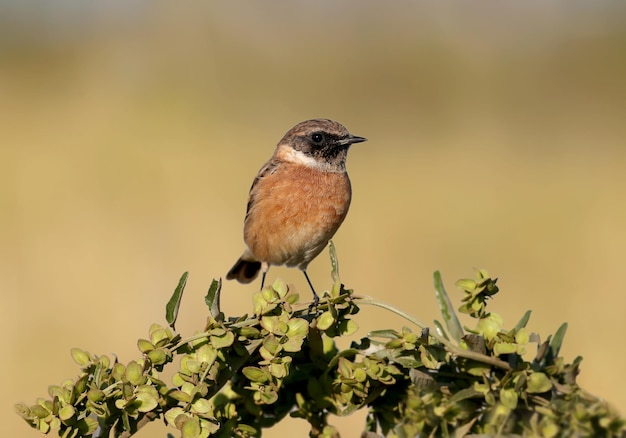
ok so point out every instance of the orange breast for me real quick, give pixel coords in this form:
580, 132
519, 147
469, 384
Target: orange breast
294, 212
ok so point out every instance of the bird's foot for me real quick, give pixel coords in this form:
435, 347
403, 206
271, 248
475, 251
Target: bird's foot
314, 304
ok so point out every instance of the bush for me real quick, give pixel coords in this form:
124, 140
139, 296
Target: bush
240, 375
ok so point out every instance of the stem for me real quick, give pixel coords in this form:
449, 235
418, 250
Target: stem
147, 418
188, 340
458, 351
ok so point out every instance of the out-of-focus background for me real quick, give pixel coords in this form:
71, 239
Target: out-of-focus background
130, 132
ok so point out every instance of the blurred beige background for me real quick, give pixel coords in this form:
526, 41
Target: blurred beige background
130, 133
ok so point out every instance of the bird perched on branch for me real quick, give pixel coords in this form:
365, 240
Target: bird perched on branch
297, 201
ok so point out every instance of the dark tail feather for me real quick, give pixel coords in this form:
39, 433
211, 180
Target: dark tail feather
244, 271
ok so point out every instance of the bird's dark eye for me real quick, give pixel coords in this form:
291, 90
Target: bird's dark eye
317, 137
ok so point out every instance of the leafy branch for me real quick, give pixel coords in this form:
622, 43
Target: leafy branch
239, 375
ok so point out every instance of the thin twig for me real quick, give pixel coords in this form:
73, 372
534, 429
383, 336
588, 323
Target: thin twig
147, 418
467, 354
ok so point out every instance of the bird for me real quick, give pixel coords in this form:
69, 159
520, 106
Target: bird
297, 201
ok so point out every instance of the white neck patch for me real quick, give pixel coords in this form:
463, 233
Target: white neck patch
290, 154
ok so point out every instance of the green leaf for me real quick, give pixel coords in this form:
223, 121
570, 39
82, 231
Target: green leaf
212, 298
191, 428
118, 371
280, 287
22, 410
270, 295
223, 341
270, 323
171, 309
147, 397
134, 373
489, 326
81, 357
254, 374
202, 406
325, 321
334, 263
557, 341
466, 284
157, 357
440, 329
125, 419
475, 368
278, 370
345, 368
269, 397
159, 335
548, 428
271, 346
508, 397
297, 327
538, 383
207, 353
66, 412
522, 337
292, 298
179, 395
245, 429
447, 311
523, 321
144, 345
504, 348
87, 426
348, 327
294, 344
464, 394
427, 358
95, 395
173, 414
393, 344
387, 333
192, 365
39, 411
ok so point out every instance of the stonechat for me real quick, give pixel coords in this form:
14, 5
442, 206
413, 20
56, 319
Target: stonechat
297, 201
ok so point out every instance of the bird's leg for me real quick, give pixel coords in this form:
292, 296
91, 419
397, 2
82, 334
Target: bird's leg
316, 299
264, 268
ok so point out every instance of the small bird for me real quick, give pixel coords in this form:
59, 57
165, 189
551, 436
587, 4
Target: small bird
297, 201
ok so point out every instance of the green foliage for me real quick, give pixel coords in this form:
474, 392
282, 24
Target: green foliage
238, 376
172, 306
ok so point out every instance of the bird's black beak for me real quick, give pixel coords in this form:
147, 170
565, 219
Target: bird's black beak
351, 140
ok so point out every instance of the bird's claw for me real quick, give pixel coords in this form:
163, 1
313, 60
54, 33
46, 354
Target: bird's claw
314, 304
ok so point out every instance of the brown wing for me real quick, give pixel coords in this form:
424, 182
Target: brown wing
268, 169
